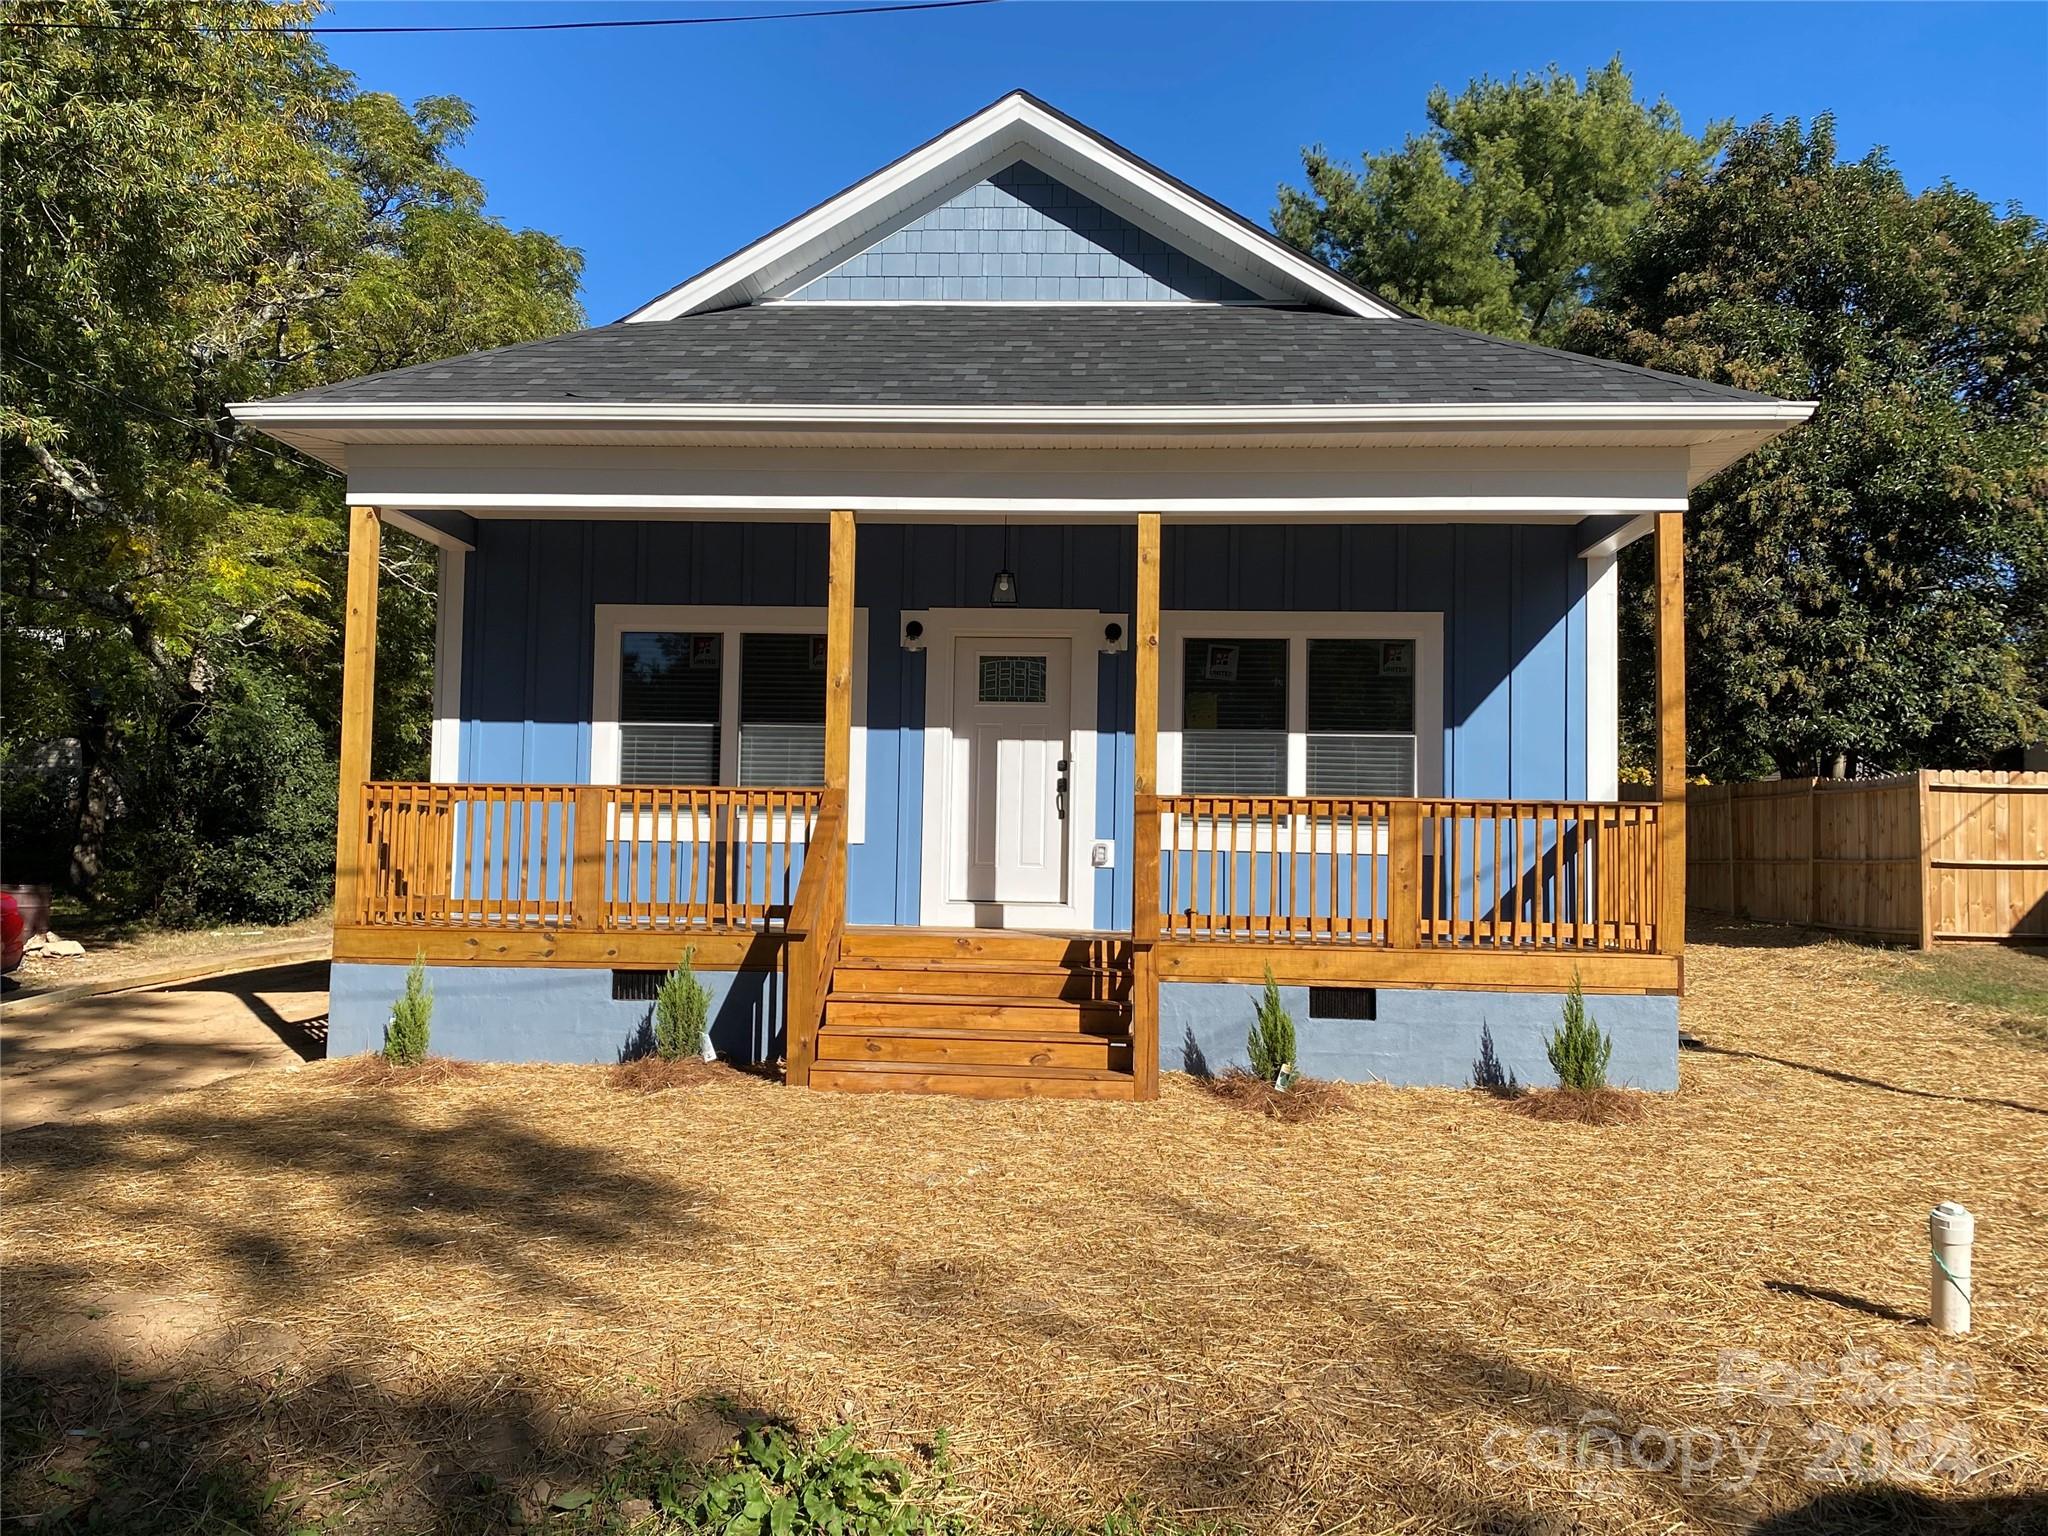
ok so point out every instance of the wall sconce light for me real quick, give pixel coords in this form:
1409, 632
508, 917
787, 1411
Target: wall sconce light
1114, 639
913, 634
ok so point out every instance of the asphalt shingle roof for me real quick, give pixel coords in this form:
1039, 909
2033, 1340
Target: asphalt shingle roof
1188, 355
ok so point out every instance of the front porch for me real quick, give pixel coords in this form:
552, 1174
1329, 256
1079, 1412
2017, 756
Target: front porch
1429, 892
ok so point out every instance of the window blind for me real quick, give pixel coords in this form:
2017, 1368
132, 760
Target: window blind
1361, 717
782, 709
668, 708
1234, 717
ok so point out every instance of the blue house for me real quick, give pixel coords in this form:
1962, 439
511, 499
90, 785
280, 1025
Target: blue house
993, 620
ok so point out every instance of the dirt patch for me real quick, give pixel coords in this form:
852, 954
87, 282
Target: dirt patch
118, 951
1306, 1098
1580, 1106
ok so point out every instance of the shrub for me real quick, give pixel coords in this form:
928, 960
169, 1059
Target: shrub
405, 1037
682, 1011
1271, 1041
230, 823
1579, 1050
1489, 1073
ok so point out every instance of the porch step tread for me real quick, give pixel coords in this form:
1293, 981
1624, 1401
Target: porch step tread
954, 1032
971, 1047
982, 1000
973, 1080
956, 979
993, 965
981, 945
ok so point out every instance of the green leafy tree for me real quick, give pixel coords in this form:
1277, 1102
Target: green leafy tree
1270, 1045
1869, 591
196, 211
682, 1012
412, 1016
1504, 215
1579, 1049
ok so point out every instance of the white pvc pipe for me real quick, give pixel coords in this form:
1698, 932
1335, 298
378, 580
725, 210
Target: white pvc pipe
1950, 1231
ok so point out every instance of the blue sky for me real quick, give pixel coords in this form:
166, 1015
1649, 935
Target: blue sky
659, 151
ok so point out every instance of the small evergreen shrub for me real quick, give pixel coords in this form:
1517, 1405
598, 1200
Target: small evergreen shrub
1489, 1073
682, 1013
1271, 1041
1579, 1049
405, 1037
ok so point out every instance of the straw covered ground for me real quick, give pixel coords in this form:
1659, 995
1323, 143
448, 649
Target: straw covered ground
407, 1307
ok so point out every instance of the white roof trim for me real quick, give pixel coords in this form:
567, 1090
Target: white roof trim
1013, 128
329, 414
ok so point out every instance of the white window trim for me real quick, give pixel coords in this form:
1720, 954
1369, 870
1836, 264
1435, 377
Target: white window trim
616, 620
943, 629
1603, 679
1177, 626
444, 750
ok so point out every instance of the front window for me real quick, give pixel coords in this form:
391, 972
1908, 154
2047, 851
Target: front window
1234, 717
1361, 717
782, 709
1329, 705
669, 693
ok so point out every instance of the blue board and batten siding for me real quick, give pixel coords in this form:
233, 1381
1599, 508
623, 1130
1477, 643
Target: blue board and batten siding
1022, 236
1512, 598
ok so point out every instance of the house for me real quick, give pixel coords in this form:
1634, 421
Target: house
995, 618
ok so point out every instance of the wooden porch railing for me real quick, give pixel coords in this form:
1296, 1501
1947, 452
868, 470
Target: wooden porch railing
1408, 873
683, 858
816, 927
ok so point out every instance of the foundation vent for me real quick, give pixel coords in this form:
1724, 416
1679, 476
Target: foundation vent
1342, 1002
635, 986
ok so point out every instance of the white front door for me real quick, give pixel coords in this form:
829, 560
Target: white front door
1011, 771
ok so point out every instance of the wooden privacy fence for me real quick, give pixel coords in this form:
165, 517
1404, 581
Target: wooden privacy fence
1915, 857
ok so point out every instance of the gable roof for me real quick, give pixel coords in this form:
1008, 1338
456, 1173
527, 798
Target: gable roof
1016, 127
783, 359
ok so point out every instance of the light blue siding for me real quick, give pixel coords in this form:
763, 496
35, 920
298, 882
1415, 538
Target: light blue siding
1512, 600
1021, 235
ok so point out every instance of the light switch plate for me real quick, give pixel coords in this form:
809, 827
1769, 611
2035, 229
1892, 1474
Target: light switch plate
1102, 855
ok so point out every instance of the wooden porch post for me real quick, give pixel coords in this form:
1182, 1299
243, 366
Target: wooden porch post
1670, 599
839, 655
358, 690
1145, 822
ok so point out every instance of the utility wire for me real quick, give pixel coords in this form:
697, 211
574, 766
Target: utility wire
312, 30
292, 460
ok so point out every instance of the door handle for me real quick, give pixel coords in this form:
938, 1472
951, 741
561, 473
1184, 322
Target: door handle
1060, 790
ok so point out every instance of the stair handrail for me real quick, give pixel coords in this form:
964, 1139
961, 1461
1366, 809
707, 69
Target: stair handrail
817, 924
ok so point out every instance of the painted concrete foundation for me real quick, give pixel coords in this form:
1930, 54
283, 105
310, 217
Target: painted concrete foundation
531, 1013
1419, 1038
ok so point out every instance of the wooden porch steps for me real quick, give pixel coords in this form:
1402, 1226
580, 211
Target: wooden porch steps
983, 1015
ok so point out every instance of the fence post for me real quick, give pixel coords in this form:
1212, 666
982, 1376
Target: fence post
586, 888
1404, 874
1923, 863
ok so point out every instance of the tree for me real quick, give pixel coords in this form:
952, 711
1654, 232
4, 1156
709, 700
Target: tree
195, 211
1869, 591
1503, 216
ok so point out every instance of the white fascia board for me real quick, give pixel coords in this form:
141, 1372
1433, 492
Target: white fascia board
1012, 123
327, 417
